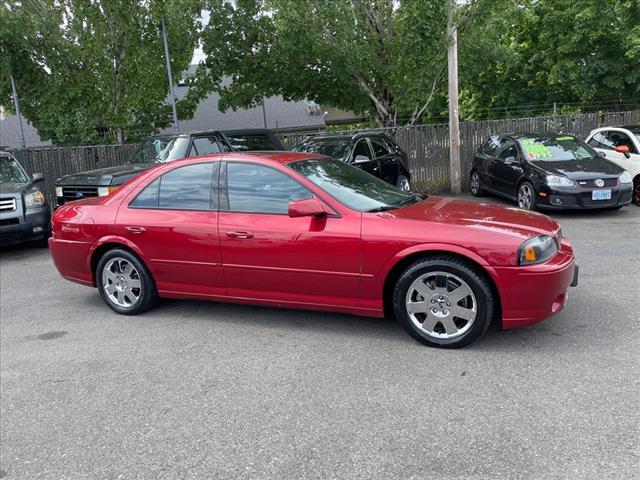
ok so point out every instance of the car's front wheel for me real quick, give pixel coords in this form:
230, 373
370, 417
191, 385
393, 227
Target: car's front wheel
636, 191
443, 301
402, 182
526, 196
476, 189
124, 282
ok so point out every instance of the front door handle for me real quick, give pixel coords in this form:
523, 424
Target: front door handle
135, 229
242, 235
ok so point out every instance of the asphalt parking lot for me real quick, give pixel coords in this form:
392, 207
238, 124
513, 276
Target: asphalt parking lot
207, 390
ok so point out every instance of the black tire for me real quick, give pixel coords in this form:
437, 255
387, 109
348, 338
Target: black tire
403, 183
147, 294
636, 191
476, 185
471, 275
532, 205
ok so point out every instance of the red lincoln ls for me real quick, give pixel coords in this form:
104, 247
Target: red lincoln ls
305, 231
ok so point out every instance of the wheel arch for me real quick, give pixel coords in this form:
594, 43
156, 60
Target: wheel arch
404, 259
109, 243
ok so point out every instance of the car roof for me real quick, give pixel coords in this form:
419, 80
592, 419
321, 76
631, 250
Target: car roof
344, 137
520, 135
631, 128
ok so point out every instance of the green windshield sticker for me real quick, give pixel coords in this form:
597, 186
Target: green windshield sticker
536, 150
559, 139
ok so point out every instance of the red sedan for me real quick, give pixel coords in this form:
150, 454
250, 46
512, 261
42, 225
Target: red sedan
302, 231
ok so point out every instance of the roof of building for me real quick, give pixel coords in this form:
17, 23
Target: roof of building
10, 133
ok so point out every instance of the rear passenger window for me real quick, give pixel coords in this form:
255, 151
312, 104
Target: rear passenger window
379, 148
204, 146
148, 198
185, 188
490, 147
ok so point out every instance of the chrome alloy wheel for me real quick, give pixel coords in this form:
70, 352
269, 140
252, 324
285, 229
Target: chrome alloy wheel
405, 186
121, 282
441, 305
475, 183
525, 197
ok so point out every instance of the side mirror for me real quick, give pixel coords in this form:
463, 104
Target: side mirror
623, 149
307, 207
510, 161
37, 177
361, 159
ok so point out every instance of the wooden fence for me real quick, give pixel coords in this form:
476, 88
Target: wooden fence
427, 147
55, 162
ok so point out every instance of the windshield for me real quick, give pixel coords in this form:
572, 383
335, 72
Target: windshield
353, 187
242, 142
11, 171
333, 148
160, 149
550, 149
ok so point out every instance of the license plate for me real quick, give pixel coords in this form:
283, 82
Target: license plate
601, 195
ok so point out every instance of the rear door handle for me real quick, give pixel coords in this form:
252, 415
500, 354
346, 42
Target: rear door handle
135, 229
242, 235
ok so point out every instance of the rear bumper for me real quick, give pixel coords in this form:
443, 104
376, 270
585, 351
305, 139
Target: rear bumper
70, 258
533, 293
34, 226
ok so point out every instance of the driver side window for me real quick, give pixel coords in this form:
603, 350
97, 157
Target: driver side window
361, 148
508, 150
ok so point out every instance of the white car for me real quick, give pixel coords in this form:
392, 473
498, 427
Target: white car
622, 146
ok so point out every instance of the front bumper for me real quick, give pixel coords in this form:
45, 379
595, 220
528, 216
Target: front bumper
530, 294
559, 199
35, 225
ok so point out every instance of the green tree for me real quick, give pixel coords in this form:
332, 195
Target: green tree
381, 57
584, 55
92, 71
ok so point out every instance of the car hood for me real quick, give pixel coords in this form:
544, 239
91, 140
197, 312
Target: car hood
584, 169
484, 216
105, 176
8, 188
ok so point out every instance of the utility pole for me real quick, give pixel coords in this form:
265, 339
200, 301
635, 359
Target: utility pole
264, 114
454, 124
16, 102
170, 77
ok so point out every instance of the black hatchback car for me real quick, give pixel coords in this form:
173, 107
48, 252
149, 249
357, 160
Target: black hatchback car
372, 152
548, 171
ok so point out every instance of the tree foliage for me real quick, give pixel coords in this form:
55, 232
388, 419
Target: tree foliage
373, 56
93, 70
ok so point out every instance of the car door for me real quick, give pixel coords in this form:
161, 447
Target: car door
507, 169
362, 157
174, 222
386, 160
606, 141
484, 160
270, 256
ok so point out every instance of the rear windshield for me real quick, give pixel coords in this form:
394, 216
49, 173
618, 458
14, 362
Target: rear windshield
333, 148
561, 147
251, 142
11, 171
160, 149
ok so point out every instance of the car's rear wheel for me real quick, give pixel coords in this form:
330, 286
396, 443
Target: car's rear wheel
443, 301
526, 196
476, 189
124, 282
402, 182
636, 190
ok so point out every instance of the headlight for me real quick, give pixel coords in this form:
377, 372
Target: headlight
59, 192
537, 250
625, 177
34, 199
558, 181
104, 191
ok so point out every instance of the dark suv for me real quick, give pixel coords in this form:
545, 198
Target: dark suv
160, 149
372, 152
24, 215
